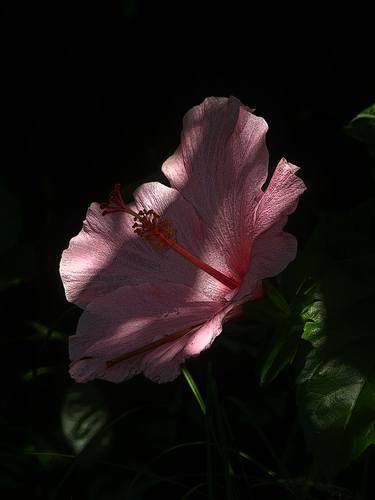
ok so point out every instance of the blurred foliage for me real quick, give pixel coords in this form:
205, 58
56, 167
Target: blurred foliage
323, 327
336, 385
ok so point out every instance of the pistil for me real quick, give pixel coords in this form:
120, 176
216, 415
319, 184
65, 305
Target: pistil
159, 233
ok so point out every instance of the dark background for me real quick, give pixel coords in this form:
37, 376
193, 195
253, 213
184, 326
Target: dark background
95, 94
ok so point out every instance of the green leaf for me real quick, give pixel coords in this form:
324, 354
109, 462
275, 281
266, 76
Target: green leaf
295, 320
194, 388
336, 398
314, 316
362, 128
83, 416
336, 387
336, 382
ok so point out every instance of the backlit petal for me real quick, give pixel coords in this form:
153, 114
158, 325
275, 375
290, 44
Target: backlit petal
133, 317
220, 168
107, 254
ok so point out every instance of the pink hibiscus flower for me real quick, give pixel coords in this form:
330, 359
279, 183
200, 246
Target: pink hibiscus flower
158, 277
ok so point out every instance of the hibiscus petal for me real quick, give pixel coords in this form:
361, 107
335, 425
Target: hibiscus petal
107, 254
128, 331
272, 251
272, 248
164, 365
280, 199
220, 168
